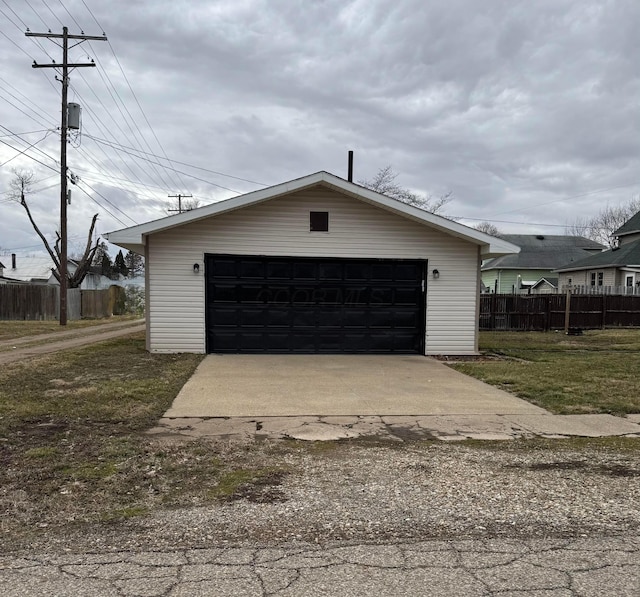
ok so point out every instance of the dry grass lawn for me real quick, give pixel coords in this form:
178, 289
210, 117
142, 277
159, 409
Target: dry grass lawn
598, 372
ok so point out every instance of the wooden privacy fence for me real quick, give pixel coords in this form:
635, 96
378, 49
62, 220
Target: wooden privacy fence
543, 312
27, 301
41, 301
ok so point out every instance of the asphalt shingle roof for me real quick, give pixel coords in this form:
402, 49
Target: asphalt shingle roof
543, 251
631, 225
626, 255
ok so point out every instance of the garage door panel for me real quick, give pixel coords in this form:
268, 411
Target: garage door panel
406, 296
260, 304
224, 293
249, 317
251, 270
381, 296
354, 317
304, 270
405, 320
304, 342
382, 272
330, 271
278, 270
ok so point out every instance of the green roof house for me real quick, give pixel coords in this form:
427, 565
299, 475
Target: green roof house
532, 269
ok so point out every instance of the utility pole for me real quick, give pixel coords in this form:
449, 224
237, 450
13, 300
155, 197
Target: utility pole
65, 66
179, 198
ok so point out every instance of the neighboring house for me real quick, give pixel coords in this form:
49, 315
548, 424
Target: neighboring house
5, 279
39, 270
539, 256
546, 285
313, 265
615, 270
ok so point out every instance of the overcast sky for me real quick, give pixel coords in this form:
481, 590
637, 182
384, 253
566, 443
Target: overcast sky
528, 111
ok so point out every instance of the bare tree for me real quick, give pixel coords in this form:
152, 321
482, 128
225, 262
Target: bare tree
21, 186
487, 228
602, 226
385, 182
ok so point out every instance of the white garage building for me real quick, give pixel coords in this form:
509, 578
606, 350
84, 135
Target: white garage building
314, 265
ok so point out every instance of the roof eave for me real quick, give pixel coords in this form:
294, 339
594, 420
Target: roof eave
490, 246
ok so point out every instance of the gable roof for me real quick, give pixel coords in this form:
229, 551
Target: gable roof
629, 227
133, 238
551, 281
539, 251
31, 268
34, 268
625, 255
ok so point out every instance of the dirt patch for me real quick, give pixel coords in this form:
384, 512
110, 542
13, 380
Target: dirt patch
613, 470
263, 490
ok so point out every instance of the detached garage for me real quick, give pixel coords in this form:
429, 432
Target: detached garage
314, 265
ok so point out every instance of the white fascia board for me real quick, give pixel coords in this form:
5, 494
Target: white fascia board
490, 245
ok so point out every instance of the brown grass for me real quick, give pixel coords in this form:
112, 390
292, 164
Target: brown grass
595, 373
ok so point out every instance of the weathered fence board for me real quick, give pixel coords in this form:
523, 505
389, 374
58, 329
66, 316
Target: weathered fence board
547, 311
41, 301
28, 301
74, 304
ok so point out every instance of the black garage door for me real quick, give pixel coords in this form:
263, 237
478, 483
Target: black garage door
298, 305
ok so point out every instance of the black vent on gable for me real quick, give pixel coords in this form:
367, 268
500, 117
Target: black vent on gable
319, 221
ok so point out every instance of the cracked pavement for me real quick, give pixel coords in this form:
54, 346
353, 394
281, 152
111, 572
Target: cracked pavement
550, 567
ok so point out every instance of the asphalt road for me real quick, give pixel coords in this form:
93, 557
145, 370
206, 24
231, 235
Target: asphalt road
592, 566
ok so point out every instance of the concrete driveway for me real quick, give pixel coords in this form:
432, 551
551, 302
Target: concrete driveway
301, 385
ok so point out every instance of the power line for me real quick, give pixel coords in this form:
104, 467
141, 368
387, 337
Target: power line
55, 16
35, 41
94, 16
26, 149
182, 172
15, 44
72, 17
44, 153
131, 120
622, 186
102, 206
118, 146
26, 98
135, 97
103, 127
26, 133
20, 109
133, 93
29, 156
37, 14
15, 13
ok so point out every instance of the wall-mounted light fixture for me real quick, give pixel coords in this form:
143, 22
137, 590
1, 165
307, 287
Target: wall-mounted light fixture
196, 268
436, 274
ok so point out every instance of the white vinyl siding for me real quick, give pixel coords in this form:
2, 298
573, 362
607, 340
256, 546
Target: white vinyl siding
280, 227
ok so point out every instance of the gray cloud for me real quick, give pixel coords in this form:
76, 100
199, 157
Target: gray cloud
510, 104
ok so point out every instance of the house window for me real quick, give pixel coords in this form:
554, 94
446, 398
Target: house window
629, 281
593, 278
319, 221
600, 278
597, 278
